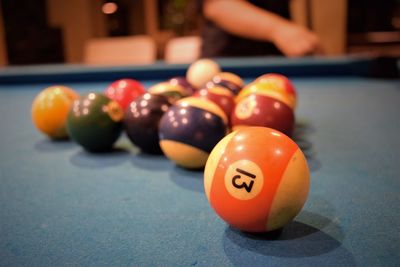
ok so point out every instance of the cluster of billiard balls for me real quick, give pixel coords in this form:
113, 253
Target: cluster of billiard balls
256, 177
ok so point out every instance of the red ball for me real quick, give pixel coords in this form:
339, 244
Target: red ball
124, 91
261, 110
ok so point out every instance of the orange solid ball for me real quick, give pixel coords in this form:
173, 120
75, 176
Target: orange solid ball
50, 109
256, 179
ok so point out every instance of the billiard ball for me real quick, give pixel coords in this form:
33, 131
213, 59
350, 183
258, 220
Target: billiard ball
261, 110
182, 81
266, 89
173, 91
201, 71
229, 76
235, 89
141, 121
256, 179
50, 108
95, 122
280, 81
220, 96
124, 91
190, 129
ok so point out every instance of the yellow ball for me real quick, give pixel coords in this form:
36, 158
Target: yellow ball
202, 71
50, 109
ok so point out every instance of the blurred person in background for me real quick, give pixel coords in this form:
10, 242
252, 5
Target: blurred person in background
253, 28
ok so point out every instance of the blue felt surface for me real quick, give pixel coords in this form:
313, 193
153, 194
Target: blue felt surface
61, 206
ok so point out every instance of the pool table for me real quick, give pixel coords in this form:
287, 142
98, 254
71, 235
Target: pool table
60, 205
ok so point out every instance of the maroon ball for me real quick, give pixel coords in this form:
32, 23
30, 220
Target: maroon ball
141, 121
261, 110
220, 96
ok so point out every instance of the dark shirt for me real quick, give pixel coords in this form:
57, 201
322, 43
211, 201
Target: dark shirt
219, 43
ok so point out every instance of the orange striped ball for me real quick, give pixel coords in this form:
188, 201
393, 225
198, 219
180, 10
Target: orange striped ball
267, 89
279, 81
256, 179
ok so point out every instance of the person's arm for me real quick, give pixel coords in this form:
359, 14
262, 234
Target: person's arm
241, 18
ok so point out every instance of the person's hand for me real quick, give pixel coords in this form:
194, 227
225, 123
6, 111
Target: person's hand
294, 40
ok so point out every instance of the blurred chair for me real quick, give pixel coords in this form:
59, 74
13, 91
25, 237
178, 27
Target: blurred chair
183, 49
138, 49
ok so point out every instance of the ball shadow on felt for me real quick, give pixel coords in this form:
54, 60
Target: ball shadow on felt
151, 162
54, 145
89, 160
189, 179
295, 240
302, 135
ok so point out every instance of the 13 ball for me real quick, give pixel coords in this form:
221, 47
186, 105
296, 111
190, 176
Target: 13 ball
256, 179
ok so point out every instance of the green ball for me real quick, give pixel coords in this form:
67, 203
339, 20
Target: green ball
95, 122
